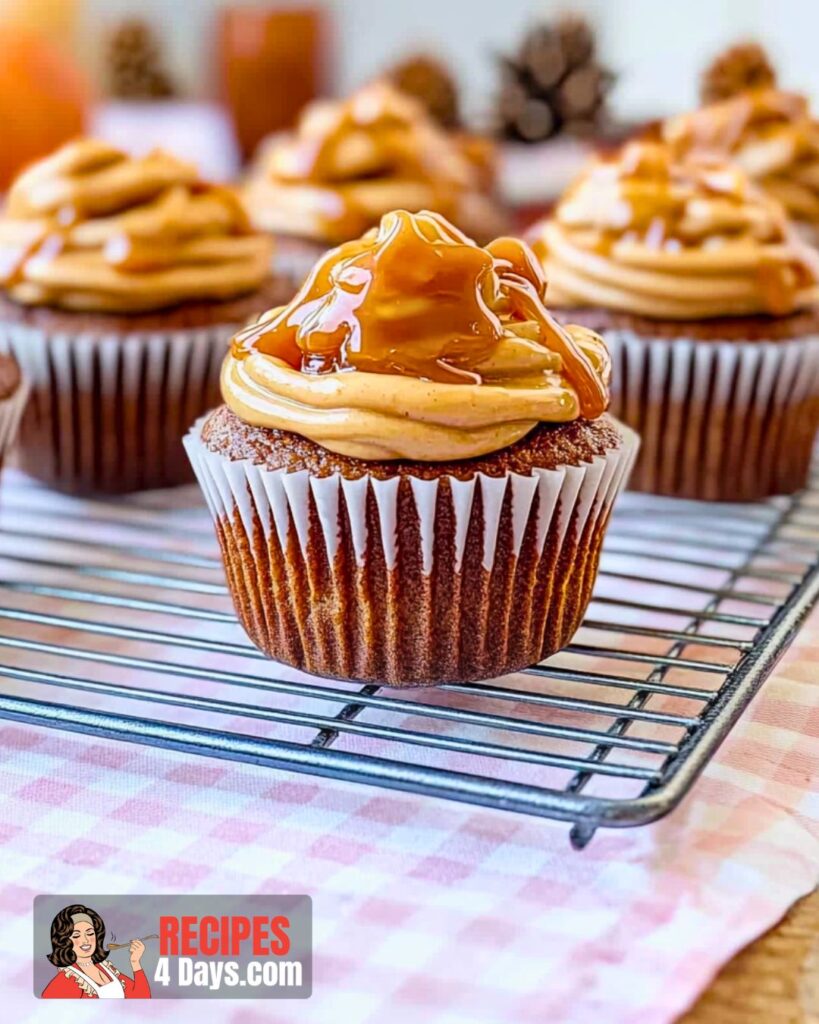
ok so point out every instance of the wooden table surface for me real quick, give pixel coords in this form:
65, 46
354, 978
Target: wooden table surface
775, 980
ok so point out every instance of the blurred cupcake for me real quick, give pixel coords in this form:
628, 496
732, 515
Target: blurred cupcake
122, 282
707, 299
349, 162
771, 135
412, 474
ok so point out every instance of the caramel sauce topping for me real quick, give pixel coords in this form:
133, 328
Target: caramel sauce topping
649, 233
720, 127
417, 298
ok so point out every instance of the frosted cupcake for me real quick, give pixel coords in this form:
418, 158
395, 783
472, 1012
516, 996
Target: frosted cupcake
771, 135
707, 299
121, 283
349, 162
413, 471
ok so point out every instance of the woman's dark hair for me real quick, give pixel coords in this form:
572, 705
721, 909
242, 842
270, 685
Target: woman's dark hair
62, 950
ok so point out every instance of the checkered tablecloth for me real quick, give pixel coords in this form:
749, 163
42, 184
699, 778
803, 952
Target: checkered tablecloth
426, 910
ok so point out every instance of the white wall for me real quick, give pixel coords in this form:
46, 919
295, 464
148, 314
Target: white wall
657, 46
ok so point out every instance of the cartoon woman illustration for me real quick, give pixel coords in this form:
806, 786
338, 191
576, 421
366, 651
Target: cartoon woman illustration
78, 950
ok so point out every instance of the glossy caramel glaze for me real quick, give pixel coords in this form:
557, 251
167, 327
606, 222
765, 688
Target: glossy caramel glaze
646, 233
417, 298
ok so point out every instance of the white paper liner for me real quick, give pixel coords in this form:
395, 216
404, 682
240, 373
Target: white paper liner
297, 505
719, 420
108, 411
282, 498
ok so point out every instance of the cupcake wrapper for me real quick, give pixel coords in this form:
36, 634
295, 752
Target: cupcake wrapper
718, 420
408, 581
108, 412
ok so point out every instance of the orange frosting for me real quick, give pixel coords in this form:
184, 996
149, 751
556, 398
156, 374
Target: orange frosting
91, 228
770, 134
349, 162
643, 232
418, 298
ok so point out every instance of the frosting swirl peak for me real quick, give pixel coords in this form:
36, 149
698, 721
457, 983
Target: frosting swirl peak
349, 162
769, 134
91, 228
414, 342
646, 234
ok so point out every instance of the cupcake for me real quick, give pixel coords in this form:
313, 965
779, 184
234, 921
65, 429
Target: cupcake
413, 471
707, 299
349, 162
770, 135
121, 283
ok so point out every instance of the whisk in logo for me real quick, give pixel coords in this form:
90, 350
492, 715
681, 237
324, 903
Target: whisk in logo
172, 947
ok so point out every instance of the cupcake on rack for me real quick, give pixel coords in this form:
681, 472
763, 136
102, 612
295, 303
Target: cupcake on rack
121, 282
771, 135
708, 301
413, 471
351, 161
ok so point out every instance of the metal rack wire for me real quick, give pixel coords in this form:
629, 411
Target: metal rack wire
115, 621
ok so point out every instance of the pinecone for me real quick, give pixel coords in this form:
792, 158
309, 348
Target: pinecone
430, 83
554, 84
739, 68
135, 65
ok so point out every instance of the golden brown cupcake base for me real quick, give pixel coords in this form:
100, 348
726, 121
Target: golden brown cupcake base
410, 574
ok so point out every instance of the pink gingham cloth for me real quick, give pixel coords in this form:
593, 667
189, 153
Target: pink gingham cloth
424, 909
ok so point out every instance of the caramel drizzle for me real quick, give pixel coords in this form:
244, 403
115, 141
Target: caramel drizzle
655, 192
395, 125
721, 126
417, 297
524, 285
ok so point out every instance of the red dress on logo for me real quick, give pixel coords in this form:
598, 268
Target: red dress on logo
68, 983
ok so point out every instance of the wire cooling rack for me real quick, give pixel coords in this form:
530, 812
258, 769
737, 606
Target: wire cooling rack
115, 621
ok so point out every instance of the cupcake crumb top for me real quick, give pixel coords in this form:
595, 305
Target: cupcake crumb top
547, 446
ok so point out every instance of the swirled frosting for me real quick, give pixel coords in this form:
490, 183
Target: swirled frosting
350, 162
769, 134
641, 233
90, 228
413, 342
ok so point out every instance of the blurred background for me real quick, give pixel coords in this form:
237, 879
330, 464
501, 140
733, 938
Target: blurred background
212, 78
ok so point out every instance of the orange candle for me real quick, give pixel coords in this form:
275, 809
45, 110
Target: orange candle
271, 67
